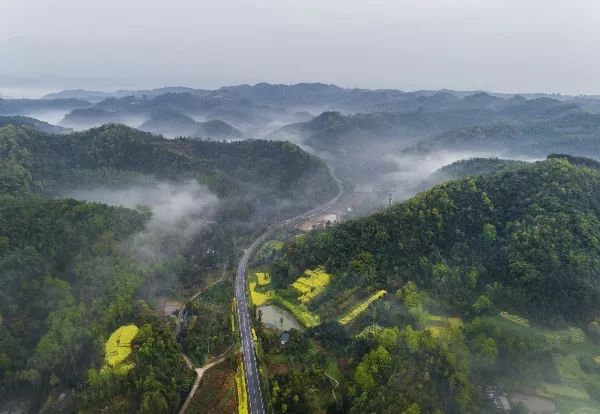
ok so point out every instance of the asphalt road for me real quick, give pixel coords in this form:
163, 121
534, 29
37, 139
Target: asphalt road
255, 399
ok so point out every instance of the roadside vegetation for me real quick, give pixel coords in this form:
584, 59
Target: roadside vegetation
242, 390
493, 278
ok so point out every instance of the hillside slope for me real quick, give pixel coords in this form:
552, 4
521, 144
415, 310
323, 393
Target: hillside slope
484, 285
72, 273
533, 230
275, 171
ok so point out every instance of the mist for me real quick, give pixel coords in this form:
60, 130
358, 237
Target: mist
411, 171
179, 212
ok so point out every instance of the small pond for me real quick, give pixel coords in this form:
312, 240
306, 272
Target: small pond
272, 317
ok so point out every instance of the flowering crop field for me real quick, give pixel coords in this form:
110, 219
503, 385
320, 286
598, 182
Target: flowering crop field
242, 393
263, 279
118, 348
361, 307
311, 284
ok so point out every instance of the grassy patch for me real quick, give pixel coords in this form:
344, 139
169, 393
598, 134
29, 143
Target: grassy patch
437, 324
569, 369
298, 309
268, 250
554, 391
573, 335
332, 368
515, 319
361, 307
308, 319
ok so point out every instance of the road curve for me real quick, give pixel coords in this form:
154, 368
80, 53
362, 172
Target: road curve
255, 399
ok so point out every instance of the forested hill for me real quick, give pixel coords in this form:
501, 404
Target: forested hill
527, 238
574, 132
40, 163
473, 166
33, 123
73, 274
66, 283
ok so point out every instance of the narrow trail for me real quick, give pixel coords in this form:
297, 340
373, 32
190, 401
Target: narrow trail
337, 384
183, 311
199, 373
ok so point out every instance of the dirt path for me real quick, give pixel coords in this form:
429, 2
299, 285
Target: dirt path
188, 361
183, 311
337, 384
199, 373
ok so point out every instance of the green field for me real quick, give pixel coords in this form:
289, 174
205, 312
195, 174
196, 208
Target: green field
437, 324
261, 295
515, 319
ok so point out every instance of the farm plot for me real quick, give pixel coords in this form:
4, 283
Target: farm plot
311, 284
361, 307
118, 349
314, 279
436, 324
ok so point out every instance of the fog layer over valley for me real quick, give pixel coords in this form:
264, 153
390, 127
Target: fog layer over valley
384, 140
179, 212
433, 252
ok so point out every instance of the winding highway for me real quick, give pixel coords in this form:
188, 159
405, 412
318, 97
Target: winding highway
255, 399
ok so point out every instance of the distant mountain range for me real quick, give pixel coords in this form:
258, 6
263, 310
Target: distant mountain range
170, 123
355, 126
96, 96
33, 123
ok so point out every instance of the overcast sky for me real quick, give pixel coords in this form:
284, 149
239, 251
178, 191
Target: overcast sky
499, 45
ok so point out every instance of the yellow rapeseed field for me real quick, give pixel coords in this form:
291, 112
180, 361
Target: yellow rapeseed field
242, 393
259, 298
263, 278
361, 307
311, 284
118, 348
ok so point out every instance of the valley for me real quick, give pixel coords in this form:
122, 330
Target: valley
431, 273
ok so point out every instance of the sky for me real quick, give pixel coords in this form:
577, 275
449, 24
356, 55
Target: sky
494, 45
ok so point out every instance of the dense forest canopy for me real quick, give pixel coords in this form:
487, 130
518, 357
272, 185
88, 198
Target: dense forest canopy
72, 272
526, 236
46, 164
487, 278
491, 282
